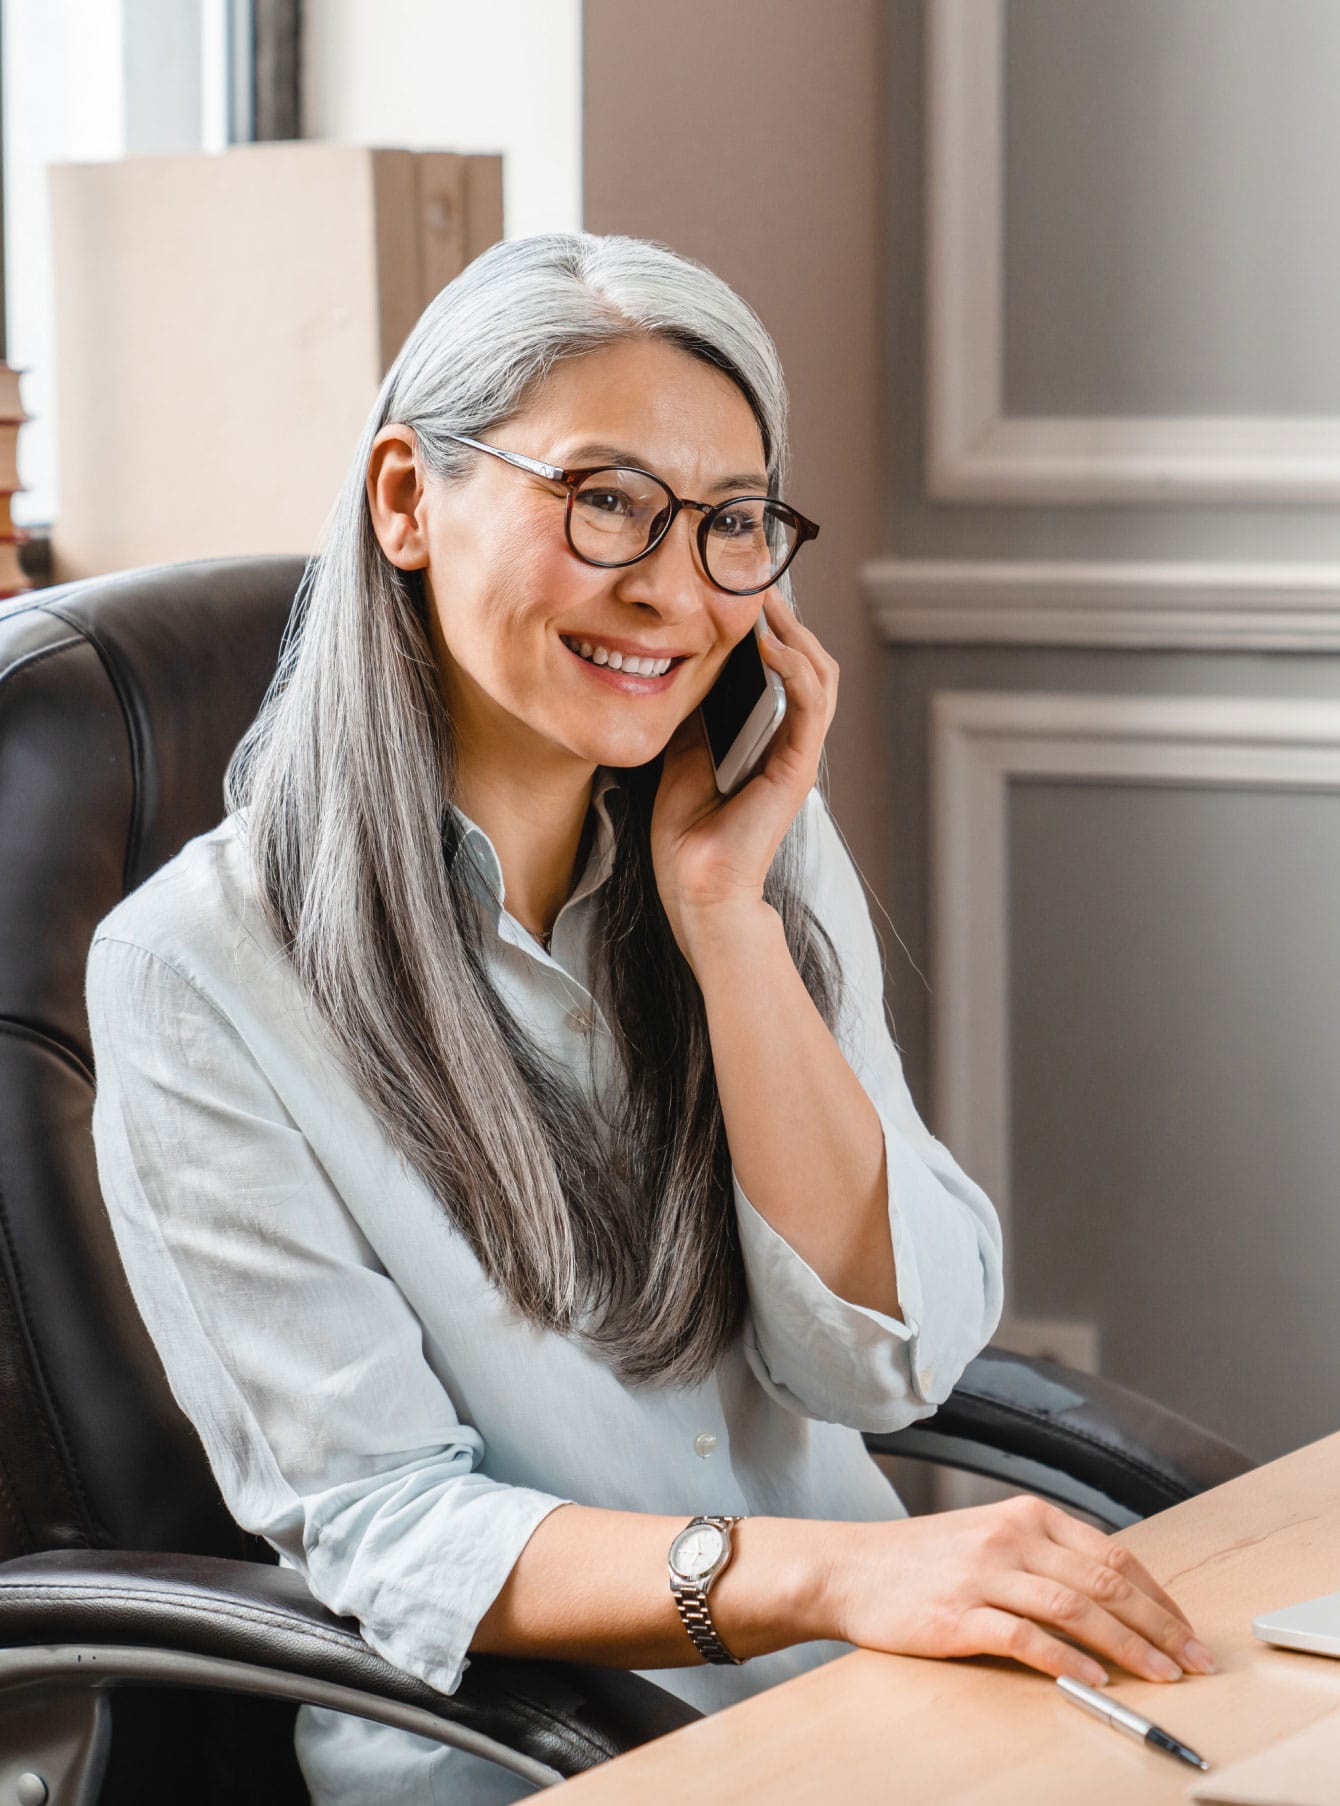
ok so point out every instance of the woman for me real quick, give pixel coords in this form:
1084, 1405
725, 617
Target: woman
504, 1138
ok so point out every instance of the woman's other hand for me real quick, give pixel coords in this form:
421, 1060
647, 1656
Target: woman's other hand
712, 853
1008, 1580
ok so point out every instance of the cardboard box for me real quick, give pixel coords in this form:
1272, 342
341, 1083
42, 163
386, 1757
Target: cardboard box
223, 323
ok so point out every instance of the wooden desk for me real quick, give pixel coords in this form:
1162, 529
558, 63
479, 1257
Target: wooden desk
982, 1733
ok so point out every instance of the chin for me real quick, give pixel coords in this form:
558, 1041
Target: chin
625, 758
622, 751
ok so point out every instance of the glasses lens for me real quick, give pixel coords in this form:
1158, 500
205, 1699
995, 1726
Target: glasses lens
748, 542
616, 513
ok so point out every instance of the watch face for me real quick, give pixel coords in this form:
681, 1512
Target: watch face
697, 1550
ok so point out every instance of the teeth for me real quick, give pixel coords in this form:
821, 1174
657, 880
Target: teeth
619, 661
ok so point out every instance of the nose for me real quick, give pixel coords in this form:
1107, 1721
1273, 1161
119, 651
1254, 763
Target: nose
670, 577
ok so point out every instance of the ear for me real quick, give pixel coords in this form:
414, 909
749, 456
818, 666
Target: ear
396, 498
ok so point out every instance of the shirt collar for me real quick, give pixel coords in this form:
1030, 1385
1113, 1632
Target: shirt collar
486, 867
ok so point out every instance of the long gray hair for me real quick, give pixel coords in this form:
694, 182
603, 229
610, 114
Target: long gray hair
620, 1231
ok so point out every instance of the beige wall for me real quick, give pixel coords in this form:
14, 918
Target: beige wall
455, 75
750, 136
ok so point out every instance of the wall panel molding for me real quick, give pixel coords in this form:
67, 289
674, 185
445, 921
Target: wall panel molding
1182, 605
975, 452
981, 743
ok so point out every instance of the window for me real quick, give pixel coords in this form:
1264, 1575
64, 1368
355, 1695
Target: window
84, 81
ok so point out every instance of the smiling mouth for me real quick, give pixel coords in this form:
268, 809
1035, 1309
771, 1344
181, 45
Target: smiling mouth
601, 659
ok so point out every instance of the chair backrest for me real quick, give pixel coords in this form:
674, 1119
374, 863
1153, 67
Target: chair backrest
121, 700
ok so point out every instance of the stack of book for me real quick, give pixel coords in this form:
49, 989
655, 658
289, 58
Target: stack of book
13, 577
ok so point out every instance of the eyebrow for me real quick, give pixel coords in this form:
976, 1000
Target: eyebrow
750, 481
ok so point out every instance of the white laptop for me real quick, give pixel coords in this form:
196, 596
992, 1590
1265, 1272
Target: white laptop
1313, 1626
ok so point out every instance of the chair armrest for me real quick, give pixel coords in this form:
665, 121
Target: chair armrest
1083, 1441
245, 1626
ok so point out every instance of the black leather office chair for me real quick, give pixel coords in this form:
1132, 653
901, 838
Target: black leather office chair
121, 1573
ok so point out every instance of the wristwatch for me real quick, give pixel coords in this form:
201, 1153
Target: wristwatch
697, 1556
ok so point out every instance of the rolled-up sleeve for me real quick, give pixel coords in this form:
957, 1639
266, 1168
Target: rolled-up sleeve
819, 1353
285, 1343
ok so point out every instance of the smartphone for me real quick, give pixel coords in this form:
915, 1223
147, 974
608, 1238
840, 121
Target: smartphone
741, 712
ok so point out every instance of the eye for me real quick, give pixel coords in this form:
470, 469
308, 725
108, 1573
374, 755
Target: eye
605, 501
742, 520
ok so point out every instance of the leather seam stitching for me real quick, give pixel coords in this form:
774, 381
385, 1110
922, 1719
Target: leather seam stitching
134, 737
51, 1420
14, 1512
25, 1031
250, 1615
541, 1710
239, 1613
39, 653
1131, 1463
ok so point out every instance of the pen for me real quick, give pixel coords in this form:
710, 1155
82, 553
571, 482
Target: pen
1121, 1718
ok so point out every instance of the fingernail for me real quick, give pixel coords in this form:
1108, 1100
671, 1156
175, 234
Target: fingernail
1197, 1656
1094, 1675
1164, 1666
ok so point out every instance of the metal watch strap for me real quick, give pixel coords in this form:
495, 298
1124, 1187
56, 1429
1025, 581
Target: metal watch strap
691, 1598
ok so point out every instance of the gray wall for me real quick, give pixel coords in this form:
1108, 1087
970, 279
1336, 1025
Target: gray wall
1066, 259
750, 137
1182, 1184
1170, 249
1224, 115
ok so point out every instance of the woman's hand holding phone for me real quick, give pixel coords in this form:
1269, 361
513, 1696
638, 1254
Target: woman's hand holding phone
712, 853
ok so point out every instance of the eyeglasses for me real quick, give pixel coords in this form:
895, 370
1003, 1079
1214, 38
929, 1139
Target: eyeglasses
617, 514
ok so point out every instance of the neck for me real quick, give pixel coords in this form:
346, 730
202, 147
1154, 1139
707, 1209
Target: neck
536, 828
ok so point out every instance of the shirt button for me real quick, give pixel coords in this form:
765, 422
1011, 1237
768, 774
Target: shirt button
926, 1380
704, 1443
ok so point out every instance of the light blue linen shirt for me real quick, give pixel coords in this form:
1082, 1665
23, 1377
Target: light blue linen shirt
368, 1402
